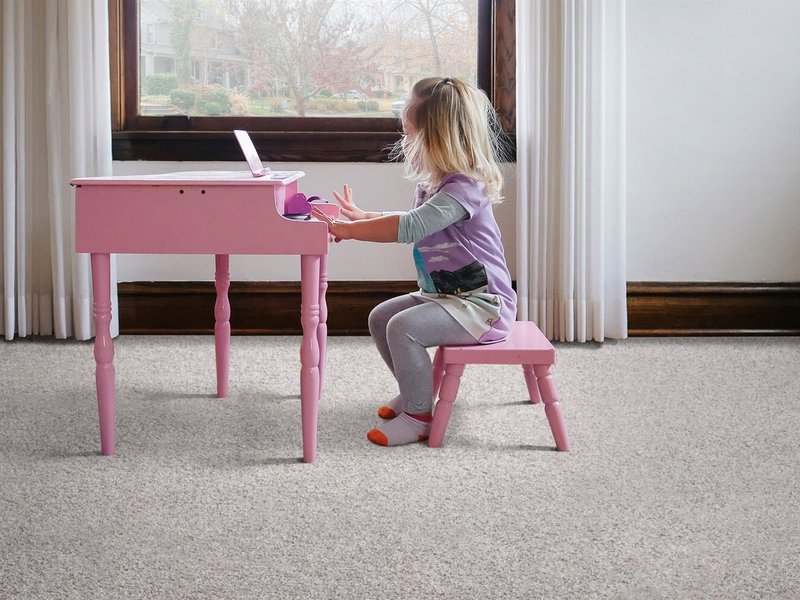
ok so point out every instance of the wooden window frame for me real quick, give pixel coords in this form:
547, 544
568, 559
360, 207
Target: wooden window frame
342, 139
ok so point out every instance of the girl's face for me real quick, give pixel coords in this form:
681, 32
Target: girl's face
408, 127
409, 130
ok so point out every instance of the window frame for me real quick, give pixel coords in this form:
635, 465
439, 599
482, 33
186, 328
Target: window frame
292, 139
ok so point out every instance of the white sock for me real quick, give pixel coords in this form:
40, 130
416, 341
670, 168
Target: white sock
403, 429
392, 408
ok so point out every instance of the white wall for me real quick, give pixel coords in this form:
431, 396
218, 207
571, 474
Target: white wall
713, 158
713, 140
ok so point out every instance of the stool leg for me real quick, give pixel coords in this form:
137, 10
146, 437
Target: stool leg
530, 381
444, 407
547, 390
438, 372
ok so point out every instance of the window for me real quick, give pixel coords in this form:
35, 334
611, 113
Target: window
333, 95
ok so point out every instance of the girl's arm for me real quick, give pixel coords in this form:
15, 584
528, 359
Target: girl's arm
379, 229
438, 212
405, 227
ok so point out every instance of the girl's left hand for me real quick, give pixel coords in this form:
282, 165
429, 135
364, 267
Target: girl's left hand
349, 208
337, 229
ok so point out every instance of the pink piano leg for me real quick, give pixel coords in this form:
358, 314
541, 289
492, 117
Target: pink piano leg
322, 328
222, 325
309, 353
104, 351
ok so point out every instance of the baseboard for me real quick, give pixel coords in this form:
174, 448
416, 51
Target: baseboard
272, 308
711, 308
257, 307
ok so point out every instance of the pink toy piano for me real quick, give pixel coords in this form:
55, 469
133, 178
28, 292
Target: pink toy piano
206, 212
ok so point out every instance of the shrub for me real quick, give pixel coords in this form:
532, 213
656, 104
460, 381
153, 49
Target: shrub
182, 99
278, 105
215, 95
368, 105
212, 109
160, 84
323, 105
240, 105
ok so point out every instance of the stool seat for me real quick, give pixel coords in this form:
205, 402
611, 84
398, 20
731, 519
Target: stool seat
526, 346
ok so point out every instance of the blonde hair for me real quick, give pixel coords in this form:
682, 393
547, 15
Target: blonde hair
457, 131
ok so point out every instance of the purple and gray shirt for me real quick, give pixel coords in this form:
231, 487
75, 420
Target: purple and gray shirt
462, 266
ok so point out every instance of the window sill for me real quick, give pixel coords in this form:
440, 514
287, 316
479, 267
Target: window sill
272, 146
288, 146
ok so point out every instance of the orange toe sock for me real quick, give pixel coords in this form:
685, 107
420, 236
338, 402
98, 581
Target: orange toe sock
391, 409
403, 429
376, 436
384, 412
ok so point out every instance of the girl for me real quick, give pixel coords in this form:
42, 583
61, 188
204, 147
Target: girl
465, 294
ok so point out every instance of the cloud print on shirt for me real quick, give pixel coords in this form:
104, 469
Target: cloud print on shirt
443, 246
439, 258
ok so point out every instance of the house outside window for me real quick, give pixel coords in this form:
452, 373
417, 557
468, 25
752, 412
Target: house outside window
323, 70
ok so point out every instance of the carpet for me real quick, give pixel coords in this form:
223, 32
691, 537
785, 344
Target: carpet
682, 481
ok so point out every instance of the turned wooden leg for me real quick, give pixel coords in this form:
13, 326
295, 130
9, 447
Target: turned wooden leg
547, 390
530, 381
105, 377
222, 325
322, 328
438, 371
309, 353
444, 408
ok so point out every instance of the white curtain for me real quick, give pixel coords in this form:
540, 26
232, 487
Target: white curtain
56, 125
571, 167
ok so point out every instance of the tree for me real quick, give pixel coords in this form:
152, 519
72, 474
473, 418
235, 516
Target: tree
304, 45
443, 21
183, 15
431, 37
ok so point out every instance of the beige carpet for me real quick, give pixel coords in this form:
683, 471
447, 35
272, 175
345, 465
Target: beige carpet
682, 482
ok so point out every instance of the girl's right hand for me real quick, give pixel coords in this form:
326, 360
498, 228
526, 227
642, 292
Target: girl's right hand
349, 209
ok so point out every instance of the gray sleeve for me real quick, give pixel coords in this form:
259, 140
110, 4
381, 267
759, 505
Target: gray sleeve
438, 212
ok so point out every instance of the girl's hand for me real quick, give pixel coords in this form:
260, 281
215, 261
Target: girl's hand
337, 229
349, 209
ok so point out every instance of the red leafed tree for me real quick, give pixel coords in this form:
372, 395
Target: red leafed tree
304, 46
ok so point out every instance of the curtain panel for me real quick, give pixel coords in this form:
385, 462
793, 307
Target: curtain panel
55, 125
571, 167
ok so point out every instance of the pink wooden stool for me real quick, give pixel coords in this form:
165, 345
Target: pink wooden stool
526, 346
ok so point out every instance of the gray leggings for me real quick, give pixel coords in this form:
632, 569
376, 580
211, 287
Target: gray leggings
403, 328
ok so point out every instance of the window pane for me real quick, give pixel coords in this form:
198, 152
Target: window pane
293, 58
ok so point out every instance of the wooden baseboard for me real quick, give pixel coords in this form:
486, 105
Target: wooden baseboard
701, 308
272, 308
257, 307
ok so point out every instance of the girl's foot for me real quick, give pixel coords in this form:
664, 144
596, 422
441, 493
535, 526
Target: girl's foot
403, 429
391, 409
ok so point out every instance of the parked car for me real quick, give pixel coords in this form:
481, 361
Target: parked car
351, 95
398, 106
